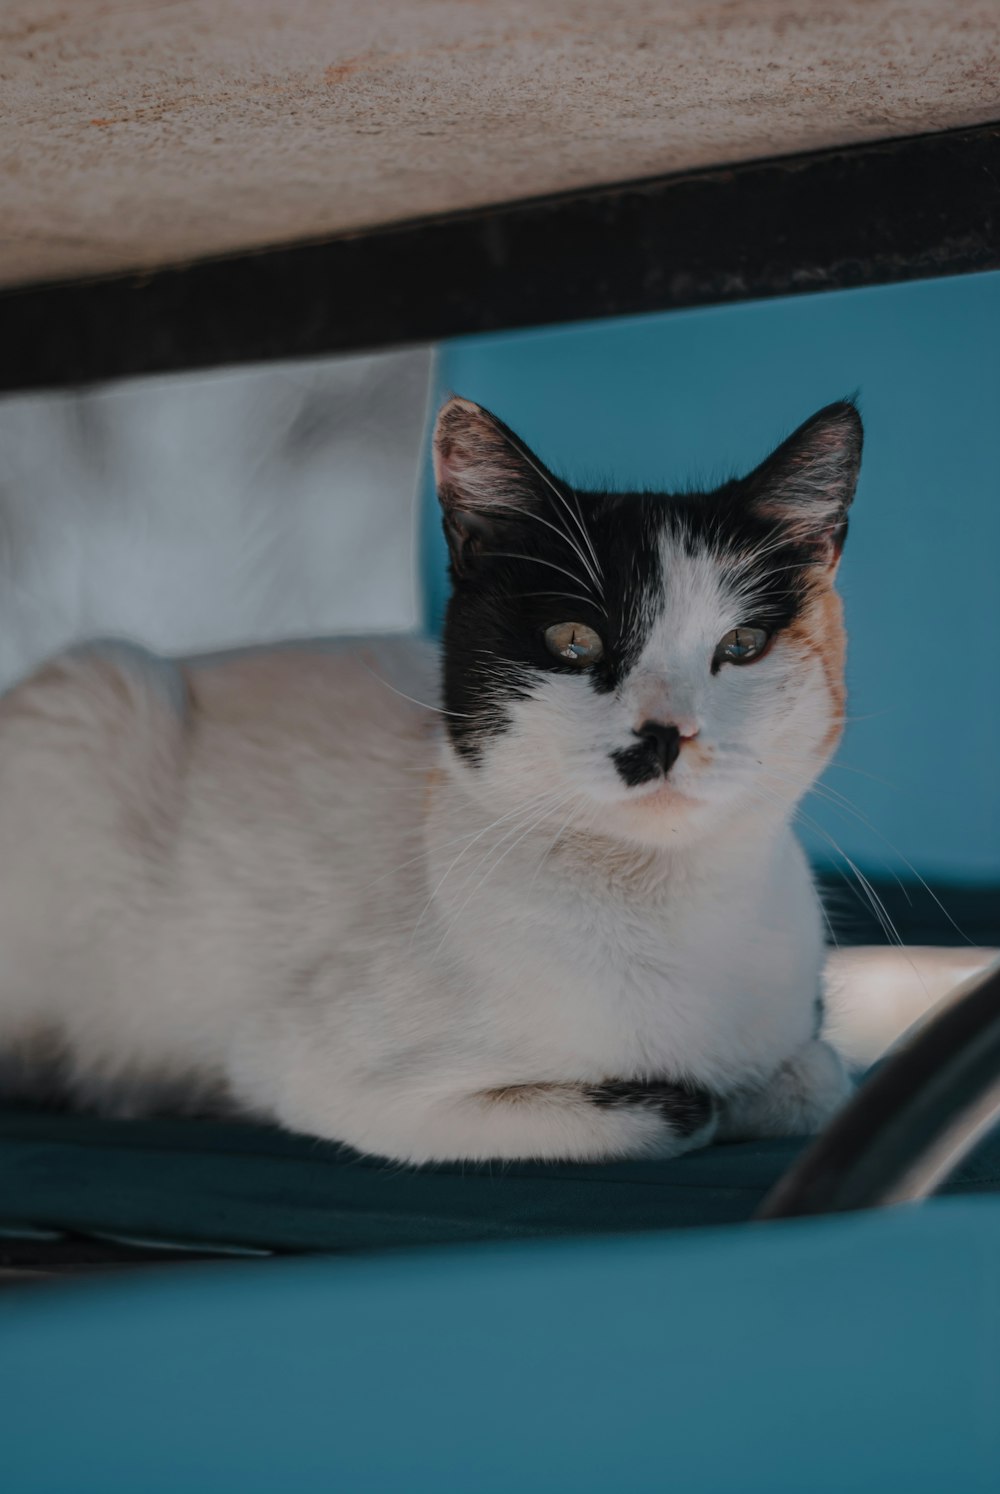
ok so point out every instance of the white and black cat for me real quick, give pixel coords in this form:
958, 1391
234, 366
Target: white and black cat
538, 898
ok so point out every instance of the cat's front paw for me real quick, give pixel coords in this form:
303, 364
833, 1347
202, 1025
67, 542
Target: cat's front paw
689, 1116
800, 1097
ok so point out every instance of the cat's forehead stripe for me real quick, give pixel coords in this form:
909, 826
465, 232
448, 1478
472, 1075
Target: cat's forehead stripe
678, 564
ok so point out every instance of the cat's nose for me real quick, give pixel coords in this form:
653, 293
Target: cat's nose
663, 741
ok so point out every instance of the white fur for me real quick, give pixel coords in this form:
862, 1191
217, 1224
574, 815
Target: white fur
269, 876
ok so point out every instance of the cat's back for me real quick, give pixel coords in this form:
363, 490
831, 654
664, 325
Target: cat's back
357, 700
324, 747
181, 826
110, 742
138, 793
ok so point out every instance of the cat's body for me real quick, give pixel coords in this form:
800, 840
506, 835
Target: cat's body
479, 924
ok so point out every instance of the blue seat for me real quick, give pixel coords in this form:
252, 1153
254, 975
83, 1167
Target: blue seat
856, 1353
202, 1185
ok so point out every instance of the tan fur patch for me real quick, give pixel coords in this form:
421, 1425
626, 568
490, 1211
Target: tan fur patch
620, 864
695, 748
432, 779
819, 633
522, 1094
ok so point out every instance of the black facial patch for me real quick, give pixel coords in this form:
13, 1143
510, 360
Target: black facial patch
545, 553
496, 620
656, 750
685, 1108
636, 765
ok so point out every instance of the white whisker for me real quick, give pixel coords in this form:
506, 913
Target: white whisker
537, 560
520, 812
466, 715
577, 517
536, 819
572, 544
842, 804
569, 596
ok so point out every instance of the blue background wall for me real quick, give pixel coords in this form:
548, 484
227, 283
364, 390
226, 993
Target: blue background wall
690, 397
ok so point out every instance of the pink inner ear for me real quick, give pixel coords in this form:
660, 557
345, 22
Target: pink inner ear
465, 443
819, 470
807, 484
477, 467
444, 463
457, 460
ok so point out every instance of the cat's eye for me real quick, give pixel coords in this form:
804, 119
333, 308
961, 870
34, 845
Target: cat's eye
574, 643
742, 646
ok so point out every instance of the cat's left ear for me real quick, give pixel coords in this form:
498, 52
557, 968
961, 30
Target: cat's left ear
808, 484
486, 478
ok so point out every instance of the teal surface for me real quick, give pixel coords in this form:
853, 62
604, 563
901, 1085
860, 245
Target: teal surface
690, 397
854, 1354
201, 1183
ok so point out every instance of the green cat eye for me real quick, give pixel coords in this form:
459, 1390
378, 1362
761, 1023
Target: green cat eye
574, 643
742, 646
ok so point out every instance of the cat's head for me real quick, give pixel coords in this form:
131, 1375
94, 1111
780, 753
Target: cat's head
653, 664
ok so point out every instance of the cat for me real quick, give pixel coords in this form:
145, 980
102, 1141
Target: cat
535, 896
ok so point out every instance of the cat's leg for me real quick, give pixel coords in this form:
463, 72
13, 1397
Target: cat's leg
529, 1122
797, 1100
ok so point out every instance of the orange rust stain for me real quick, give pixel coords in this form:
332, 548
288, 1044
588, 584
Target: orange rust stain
338, 71
221, 98
366, 61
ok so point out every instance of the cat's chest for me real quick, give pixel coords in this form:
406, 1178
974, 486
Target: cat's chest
689, 978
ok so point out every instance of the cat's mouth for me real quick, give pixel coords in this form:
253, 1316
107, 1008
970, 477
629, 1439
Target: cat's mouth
663, 794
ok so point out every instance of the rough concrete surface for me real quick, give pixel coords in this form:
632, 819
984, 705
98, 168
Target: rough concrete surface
139, 134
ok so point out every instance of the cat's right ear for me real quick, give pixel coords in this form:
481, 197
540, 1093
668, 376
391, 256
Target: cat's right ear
486, 480
807, 485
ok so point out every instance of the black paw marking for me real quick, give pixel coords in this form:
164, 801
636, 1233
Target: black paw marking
685, 1108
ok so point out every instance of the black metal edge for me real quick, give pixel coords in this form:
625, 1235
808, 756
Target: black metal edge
894, 210
28, 1261
884, 1147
